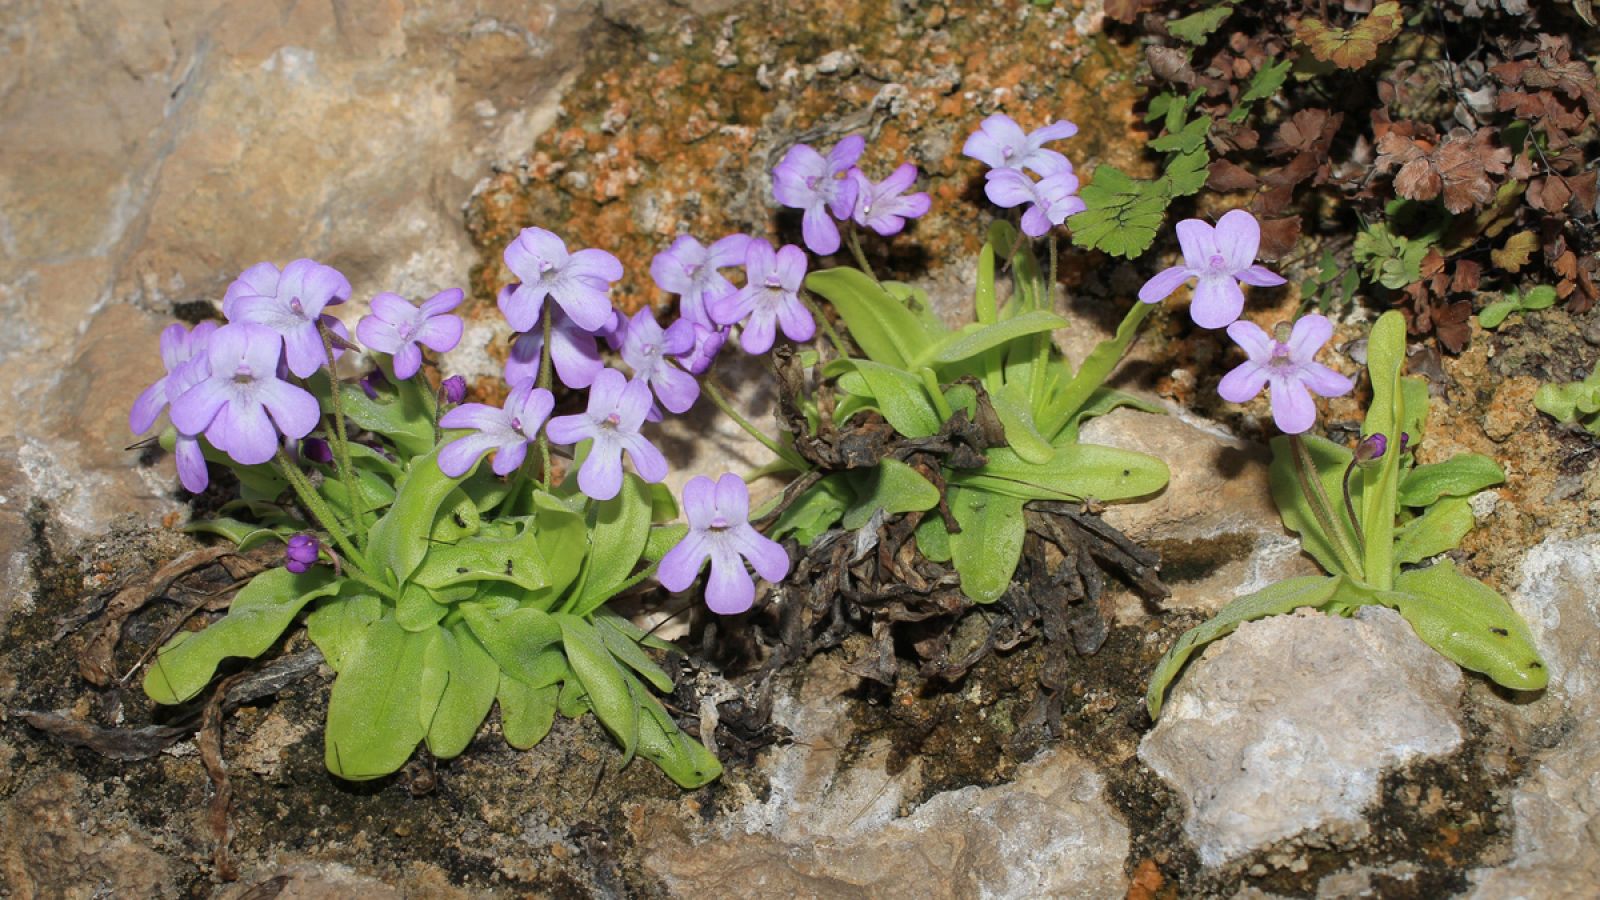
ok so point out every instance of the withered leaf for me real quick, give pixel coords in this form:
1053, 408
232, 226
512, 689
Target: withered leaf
1229, 176
1125, 11
1308, 130
1351, 48
1468, 275
1278, 236
1517, 251
1459, 167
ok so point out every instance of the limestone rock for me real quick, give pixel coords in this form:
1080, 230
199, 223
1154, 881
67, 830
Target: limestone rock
52, 845
1556, 841
1289, 723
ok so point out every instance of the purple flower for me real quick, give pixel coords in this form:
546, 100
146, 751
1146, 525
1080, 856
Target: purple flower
241, 388
1050, 200
719, 528
179, 348
573, 352
646, 348
290, 303
770, 296
301, 553
804, 180
396, 327
617, 407
1372, 448
1286, 367
1001, 144
690, 270
507, 430
707, 344
1218, 258
882, 207
577, 282
317, 450
453, 389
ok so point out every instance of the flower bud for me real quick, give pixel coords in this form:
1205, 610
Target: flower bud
453, 389
317, 451
1405, 439
707, 344
1372, 448
301, 553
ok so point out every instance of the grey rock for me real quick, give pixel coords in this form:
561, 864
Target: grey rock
1556, 809
1289, 723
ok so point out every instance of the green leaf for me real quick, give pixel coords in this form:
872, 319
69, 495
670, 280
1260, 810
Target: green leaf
1470, 624
901, 398
986, 551
1386, 414
517, 560
1294, 508
984, 302
662, 539
933, 539
1496, 312
401, 417
518, 641
339, 626
683, 759
1091, 376
978, 338
1277, 599
880, 325
1542, 297
616, 542
526, 712
373, 725
1075, 472
243, 534
564, 542
895, 488
1266, 82
1460, 476
1122, 214
1186, 173
1011, 406
1192, 137
603, 681
625, 649
458, 685
1577, 402
814, 511
1197, 27
257, 618
419, 609
400, 539
1436, 531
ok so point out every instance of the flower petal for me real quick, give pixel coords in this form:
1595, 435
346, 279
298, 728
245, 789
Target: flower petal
818, 230
473, 415
1238, 238
796, 320
1007, 188
442, 302
194, 410
508, 457
456, 457
759, 331
1243, 383
303, 350
732, 498
1217, 301
521, 304
531, 247
1292, 407
845, 153
681, 565
393, 308
243, 431
700, 502
293, 409
148, 406
569, 430
1257, 344
407, 361
729, 590
600, 476
1309, 334
647, 460
440, 333
1163, 283
728, 251
676, 389
376, 334
766, 555
192, 472
1259, 276
1325, 382
1199, 243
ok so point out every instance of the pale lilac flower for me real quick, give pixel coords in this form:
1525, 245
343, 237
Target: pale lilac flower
291, 304
1050, 200
396, 328
885, 206
719, 529
707, 344
770, 297
1287, 369
453, 389
617, 407
578, 282
507, 430
1001, 144
573, 352
646, 349
300, 554
691, 271
179, 347
232, 404
807, 181
1218, 258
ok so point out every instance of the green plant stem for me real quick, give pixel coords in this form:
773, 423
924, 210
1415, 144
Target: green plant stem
1350, 509
854, 242
713, 390
355, 561
1096, 367
936, 394
1305, 469
341, 443
822, 320
546, 381
1050, 286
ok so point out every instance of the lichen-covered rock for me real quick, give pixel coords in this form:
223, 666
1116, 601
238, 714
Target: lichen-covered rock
1556, 842
1287, 725
53, 843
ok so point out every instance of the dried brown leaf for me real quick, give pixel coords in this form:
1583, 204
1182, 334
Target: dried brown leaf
1229, 176
1516, 253
1278, 236
1354, 47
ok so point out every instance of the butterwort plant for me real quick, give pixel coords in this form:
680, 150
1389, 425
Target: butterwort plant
447, 557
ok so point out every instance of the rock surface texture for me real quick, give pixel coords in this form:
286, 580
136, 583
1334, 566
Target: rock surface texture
1287, 725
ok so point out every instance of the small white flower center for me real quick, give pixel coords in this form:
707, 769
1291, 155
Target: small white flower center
1218, 263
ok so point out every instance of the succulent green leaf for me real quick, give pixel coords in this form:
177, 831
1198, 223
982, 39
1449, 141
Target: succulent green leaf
883, 327
815, 511
1460, 476
339, 626
933, 539
1075, 472
616, 543
987, 549
373, 725
1022, 436
895, 488
517, 560
625, 649
1283, 597
419, 609
1466, 621
683, 758
461, 679
978, 338
526, 712
401, 538
260, 613
1331, 461
1436, 531
518, 641
901, 398
603, 681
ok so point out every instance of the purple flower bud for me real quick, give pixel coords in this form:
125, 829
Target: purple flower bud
316, 450
707, 344
1372, 448
371, 382
1405, 438
301, 553
453, 389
